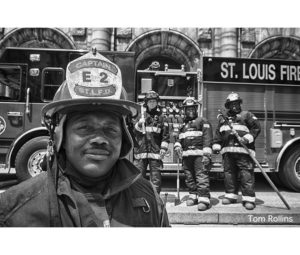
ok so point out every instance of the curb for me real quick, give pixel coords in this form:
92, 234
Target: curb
267, 212
234, 216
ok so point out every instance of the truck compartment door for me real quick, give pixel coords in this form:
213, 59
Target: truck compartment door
11, 102
42, 93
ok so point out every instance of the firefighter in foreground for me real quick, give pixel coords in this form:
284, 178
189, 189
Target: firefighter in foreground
152, 135
88, 182
236, 160
194, 146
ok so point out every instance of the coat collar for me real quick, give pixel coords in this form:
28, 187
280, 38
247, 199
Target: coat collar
123, 176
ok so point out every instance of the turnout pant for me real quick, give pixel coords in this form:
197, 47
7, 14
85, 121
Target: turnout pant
197, 177
155, 167
239, 165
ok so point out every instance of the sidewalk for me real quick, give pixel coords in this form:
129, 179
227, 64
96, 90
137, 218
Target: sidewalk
270, 210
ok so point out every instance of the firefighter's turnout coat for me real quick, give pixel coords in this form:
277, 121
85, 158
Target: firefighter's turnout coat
155, 138
195, 138
127, 200
246, 125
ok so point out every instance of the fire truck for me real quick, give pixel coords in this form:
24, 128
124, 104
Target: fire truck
269, 88
29, 79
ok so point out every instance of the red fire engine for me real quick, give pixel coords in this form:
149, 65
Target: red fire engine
28, 80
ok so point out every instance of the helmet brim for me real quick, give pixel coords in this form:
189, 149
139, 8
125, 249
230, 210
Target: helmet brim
123, 107
192, 105
227, 103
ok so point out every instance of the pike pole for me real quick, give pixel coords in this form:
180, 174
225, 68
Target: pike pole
143, 118
177, 199
255, 160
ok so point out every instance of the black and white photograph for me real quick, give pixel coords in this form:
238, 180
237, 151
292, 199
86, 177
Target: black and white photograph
192, 126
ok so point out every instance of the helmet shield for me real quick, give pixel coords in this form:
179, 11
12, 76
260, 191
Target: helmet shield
90, 80
189, 101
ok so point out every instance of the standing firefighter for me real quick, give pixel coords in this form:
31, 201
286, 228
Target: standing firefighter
194, 145
236, 160
88, 182
152, 135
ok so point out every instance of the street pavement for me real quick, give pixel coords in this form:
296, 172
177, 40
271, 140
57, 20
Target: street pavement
269, 211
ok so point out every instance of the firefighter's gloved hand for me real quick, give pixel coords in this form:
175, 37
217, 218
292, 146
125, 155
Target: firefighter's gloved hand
141, 122
162, 153
243, 140
220, 118
178, 150
205, 160
216, 148
233, 132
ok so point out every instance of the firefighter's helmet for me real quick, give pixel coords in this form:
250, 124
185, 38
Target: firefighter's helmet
189, 101
93, 83
232, 97
151, 95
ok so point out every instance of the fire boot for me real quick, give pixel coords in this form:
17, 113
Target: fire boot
228, 201
249, 205
202, 207
192, 200
203, 203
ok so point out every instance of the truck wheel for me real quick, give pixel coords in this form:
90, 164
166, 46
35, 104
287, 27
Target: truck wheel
290, 173
29, 158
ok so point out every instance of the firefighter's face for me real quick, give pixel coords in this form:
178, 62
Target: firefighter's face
92, 142
190, 112
235, 107
152, 103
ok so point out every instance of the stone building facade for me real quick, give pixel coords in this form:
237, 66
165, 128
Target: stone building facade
172, 46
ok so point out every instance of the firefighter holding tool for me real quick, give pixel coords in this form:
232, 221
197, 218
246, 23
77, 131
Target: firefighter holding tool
152, 135
194, 146
235, 129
